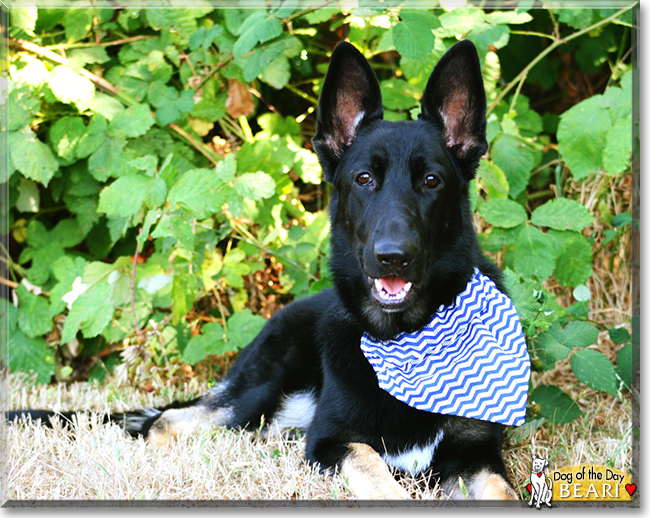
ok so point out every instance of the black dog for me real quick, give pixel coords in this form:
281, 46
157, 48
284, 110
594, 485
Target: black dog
403, 245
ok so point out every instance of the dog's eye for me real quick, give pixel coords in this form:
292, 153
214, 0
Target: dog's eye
431, 181
364, 179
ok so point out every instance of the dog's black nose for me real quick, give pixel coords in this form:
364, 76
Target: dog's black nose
394, 255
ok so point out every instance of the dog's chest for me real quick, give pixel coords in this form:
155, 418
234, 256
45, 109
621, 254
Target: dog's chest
416, 459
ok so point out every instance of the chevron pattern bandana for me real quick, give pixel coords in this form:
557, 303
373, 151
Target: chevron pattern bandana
471, 360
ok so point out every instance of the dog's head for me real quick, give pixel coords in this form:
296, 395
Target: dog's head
402, 237
538, 464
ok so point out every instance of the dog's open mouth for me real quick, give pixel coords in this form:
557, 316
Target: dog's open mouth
391, 290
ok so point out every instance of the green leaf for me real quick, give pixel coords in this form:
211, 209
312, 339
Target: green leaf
178, 226
93, 138
243, 327
65, 134
66, 269
32, 71
577, 334
503, 213
307, 167
30, 355
516, 158
624, 364
157, 66
550, 350
105, 105
180, 20
562, 214
30, 197
126, 195
67, 233
595, 370
77, 24
556, 406
576, 18
493, 179
132, 122
534, 253
234, 267
397, 94
277, 73
31, 157
34, 317
266, 55
582, 293
619, 335
170, 104
204, 37
412, 36
174, 109
524, 431
459, 21
257, 28
210, 109
87, 55
9, 318
210, 341
109, 160
24, 19
200, 191
486, 35
255, 186
621, 219
69, 87
20, 109
184, 290
618, 147
42, 261
582, 134
92, 311
146, 163
573, 264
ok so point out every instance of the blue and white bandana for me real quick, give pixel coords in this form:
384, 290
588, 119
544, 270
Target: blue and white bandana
471, 360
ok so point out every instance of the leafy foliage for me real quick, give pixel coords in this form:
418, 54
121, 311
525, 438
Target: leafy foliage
163, 192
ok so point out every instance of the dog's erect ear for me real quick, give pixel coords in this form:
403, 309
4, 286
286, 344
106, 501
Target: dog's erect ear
350, 98
455, 99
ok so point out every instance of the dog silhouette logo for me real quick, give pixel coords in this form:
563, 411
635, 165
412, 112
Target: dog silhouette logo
541, 485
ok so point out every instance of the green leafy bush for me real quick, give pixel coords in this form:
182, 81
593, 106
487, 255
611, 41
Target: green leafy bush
163, 192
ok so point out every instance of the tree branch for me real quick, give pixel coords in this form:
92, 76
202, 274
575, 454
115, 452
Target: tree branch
556, 43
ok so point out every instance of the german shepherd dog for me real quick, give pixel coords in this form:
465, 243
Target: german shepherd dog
403, 244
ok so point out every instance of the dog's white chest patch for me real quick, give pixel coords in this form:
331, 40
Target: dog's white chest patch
416, 459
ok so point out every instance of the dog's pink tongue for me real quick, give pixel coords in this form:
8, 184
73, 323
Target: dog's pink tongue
392, 284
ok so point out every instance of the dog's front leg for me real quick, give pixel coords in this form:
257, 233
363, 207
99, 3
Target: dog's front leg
532, 495
368, 475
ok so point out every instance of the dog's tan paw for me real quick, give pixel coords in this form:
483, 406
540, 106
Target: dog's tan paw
368, 475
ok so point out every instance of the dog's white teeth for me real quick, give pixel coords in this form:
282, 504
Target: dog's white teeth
388, 297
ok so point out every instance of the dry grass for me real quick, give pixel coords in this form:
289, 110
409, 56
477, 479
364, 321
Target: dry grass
97, 462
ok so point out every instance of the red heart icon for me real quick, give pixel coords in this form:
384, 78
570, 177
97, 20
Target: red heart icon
530, 488
631, 488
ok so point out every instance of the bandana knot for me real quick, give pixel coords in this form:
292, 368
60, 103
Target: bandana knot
470, 360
